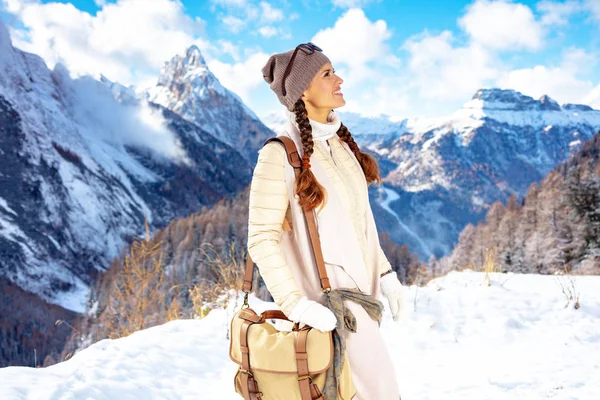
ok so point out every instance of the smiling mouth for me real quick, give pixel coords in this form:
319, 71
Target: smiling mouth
338, 93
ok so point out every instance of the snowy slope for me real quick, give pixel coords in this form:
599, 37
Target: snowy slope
187, 87
458, 340
79, 170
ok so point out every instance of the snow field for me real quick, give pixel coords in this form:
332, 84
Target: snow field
458, 339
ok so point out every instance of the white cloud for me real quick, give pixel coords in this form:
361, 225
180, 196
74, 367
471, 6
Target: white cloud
593, 98
351, 3
229, 48
578, 61
13, 6
230, 3
126, 40
502, 25
241, 77
251, 13
555, 13
267, 31
440, 71
357, 42
594, 7
234, 24
251, 16
563, 82
269, 13
540, 80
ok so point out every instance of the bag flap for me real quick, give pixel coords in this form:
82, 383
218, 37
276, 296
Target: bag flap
275, 351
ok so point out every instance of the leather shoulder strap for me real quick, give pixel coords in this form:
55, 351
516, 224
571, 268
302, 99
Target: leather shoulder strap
250, 390
309, 216
291, 150
304, 380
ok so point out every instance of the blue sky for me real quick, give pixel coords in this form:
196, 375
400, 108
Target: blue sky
400, 58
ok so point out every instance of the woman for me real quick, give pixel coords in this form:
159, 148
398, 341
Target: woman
333, 183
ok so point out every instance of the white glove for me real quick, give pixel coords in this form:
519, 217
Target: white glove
391, 288
313, 314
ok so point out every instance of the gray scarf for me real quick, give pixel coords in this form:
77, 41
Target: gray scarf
345, 320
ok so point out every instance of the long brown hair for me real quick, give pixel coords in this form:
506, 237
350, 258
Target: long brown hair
312, 194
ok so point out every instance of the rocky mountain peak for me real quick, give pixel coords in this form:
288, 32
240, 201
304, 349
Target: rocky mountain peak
548, 103
508, 99
500, 95
577, 107
190, 69
193, 57
188, 88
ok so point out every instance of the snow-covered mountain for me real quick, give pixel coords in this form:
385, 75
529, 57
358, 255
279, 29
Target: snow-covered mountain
80, 170
188, 88
442, 173
458, 339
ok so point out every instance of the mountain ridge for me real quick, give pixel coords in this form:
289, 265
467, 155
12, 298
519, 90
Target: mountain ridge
83, 163
187, 87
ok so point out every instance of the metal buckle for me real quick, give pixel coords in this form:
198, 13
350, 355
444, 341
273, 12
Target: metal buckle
300, 378
246, 305
245, 371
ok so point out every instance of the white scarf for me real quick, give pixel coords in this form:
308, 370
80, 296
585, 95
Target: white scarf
320, 131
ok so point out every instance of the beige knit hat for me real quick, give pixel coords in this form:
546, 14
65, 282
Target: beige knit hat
289, 74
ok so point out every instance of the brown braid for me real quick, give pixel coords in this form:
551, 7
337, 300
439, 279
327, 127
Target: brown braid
311, 193
367, 161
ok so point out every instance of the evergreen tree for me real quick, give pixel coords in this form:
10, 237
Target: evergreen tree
583, 195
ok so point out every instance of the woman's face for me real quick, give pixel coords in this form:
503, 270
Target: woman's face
324, 93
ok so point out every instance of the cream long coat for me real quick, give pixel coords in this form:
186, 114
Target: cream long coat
279, 245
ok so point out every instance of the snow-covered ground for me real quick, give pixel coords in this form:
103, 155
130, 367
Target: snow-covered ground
459, 339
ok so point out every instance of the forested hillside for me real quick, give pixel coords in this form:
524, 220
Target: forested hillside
32, 332
555, 227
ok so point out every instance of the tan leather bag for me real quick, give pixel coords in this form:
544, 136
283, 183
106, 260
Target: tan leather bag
281, 365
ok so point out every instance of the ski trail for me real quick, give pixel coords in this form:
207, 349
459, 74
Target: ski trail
390, 196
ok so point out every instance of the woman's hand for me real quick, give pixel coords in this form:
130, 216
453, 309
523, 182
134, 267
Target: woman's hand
313, 314
391, 288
